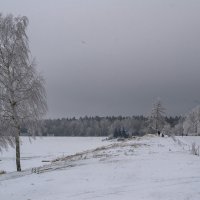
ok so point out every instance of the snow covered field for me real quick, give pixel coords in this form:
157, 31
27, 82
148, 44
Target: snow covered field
148, 168
45, 148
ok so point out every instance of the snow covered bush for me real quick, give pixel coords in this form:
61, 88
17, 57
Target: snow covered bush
195, 149
191, 124
167, 130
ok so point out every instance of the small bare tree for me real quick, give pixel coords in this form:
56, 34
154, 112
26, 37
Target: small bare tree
22, 92
156, 117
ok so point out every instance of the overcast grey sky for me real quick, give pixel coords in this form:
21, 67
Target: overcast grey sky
114, 57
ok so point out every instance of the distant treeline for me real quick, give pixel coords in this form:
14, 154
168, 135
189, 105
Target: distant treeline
99, 126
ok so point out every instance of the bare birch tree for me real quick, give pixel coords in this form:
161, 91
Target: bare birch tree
22, 92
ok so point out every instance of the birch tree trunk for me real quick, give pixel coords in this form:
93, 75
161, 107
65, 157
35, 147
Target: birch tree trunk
17, 148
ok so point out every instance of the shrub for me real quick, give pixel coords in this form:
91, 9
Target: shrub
195, 149
2, 172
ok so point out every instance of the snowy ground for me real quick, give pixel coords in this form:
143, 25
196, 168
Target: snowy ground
45, 149
150, 168
190, 139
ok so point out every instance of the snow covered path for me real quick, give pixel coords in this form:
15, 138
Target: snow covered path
150, 168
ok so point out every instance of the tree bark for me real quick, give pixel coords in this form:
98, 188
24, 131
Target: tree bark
17, 143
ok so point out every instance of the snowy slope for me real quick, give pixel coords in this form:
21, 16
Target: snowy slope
149, 168
45, 148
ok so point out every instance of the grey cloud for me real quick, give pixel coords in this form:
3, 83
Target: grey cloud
114, 57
